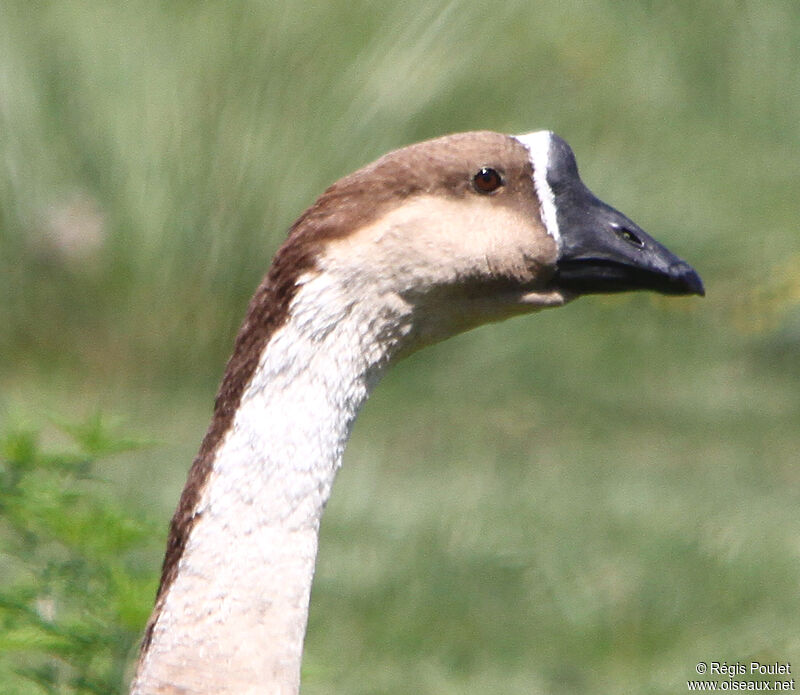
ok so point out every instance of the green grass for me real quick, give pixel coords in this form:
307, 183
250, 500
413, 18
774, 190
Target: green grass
74, 563
589, 500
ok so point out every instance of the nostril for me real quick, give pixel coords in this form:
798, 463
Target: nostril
627, 235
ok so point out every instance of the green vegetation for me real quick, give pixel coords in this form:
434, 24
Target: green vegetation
76, 589
590, 500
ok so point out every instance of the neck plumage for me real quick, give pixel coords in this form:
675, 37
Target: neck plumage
232, 617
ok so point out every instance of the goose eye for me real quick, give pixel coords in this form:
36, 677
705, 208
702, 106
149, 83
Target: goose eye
487, 180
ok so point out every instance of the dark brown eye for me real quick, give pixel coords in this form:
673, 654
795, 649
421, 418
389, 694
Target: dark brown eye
487, 180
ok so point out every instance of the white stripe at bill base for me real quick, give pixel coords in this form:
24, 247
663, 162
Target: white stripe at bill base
538, 146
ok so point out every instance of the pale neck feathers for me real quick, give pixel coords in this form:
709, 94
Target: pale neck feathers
240, 594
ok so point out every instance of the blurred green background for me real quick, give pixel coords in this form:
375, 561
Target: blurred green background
588, 500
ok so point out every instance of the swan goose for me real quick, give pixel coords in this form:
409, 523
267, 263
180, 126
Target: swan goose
426, 242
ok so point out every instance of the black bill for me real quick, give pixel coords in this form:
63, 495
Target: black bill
601, 250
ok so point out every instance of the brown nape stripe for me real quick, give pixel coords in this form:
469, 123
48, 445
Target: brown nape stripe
433, 167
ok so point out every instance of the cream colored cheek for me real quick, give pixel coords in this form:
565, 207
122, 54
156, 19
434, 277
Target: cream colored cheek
434, 240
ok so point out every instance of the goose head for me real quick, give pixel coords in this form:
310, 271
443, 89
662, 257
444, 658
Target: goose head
476, 227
